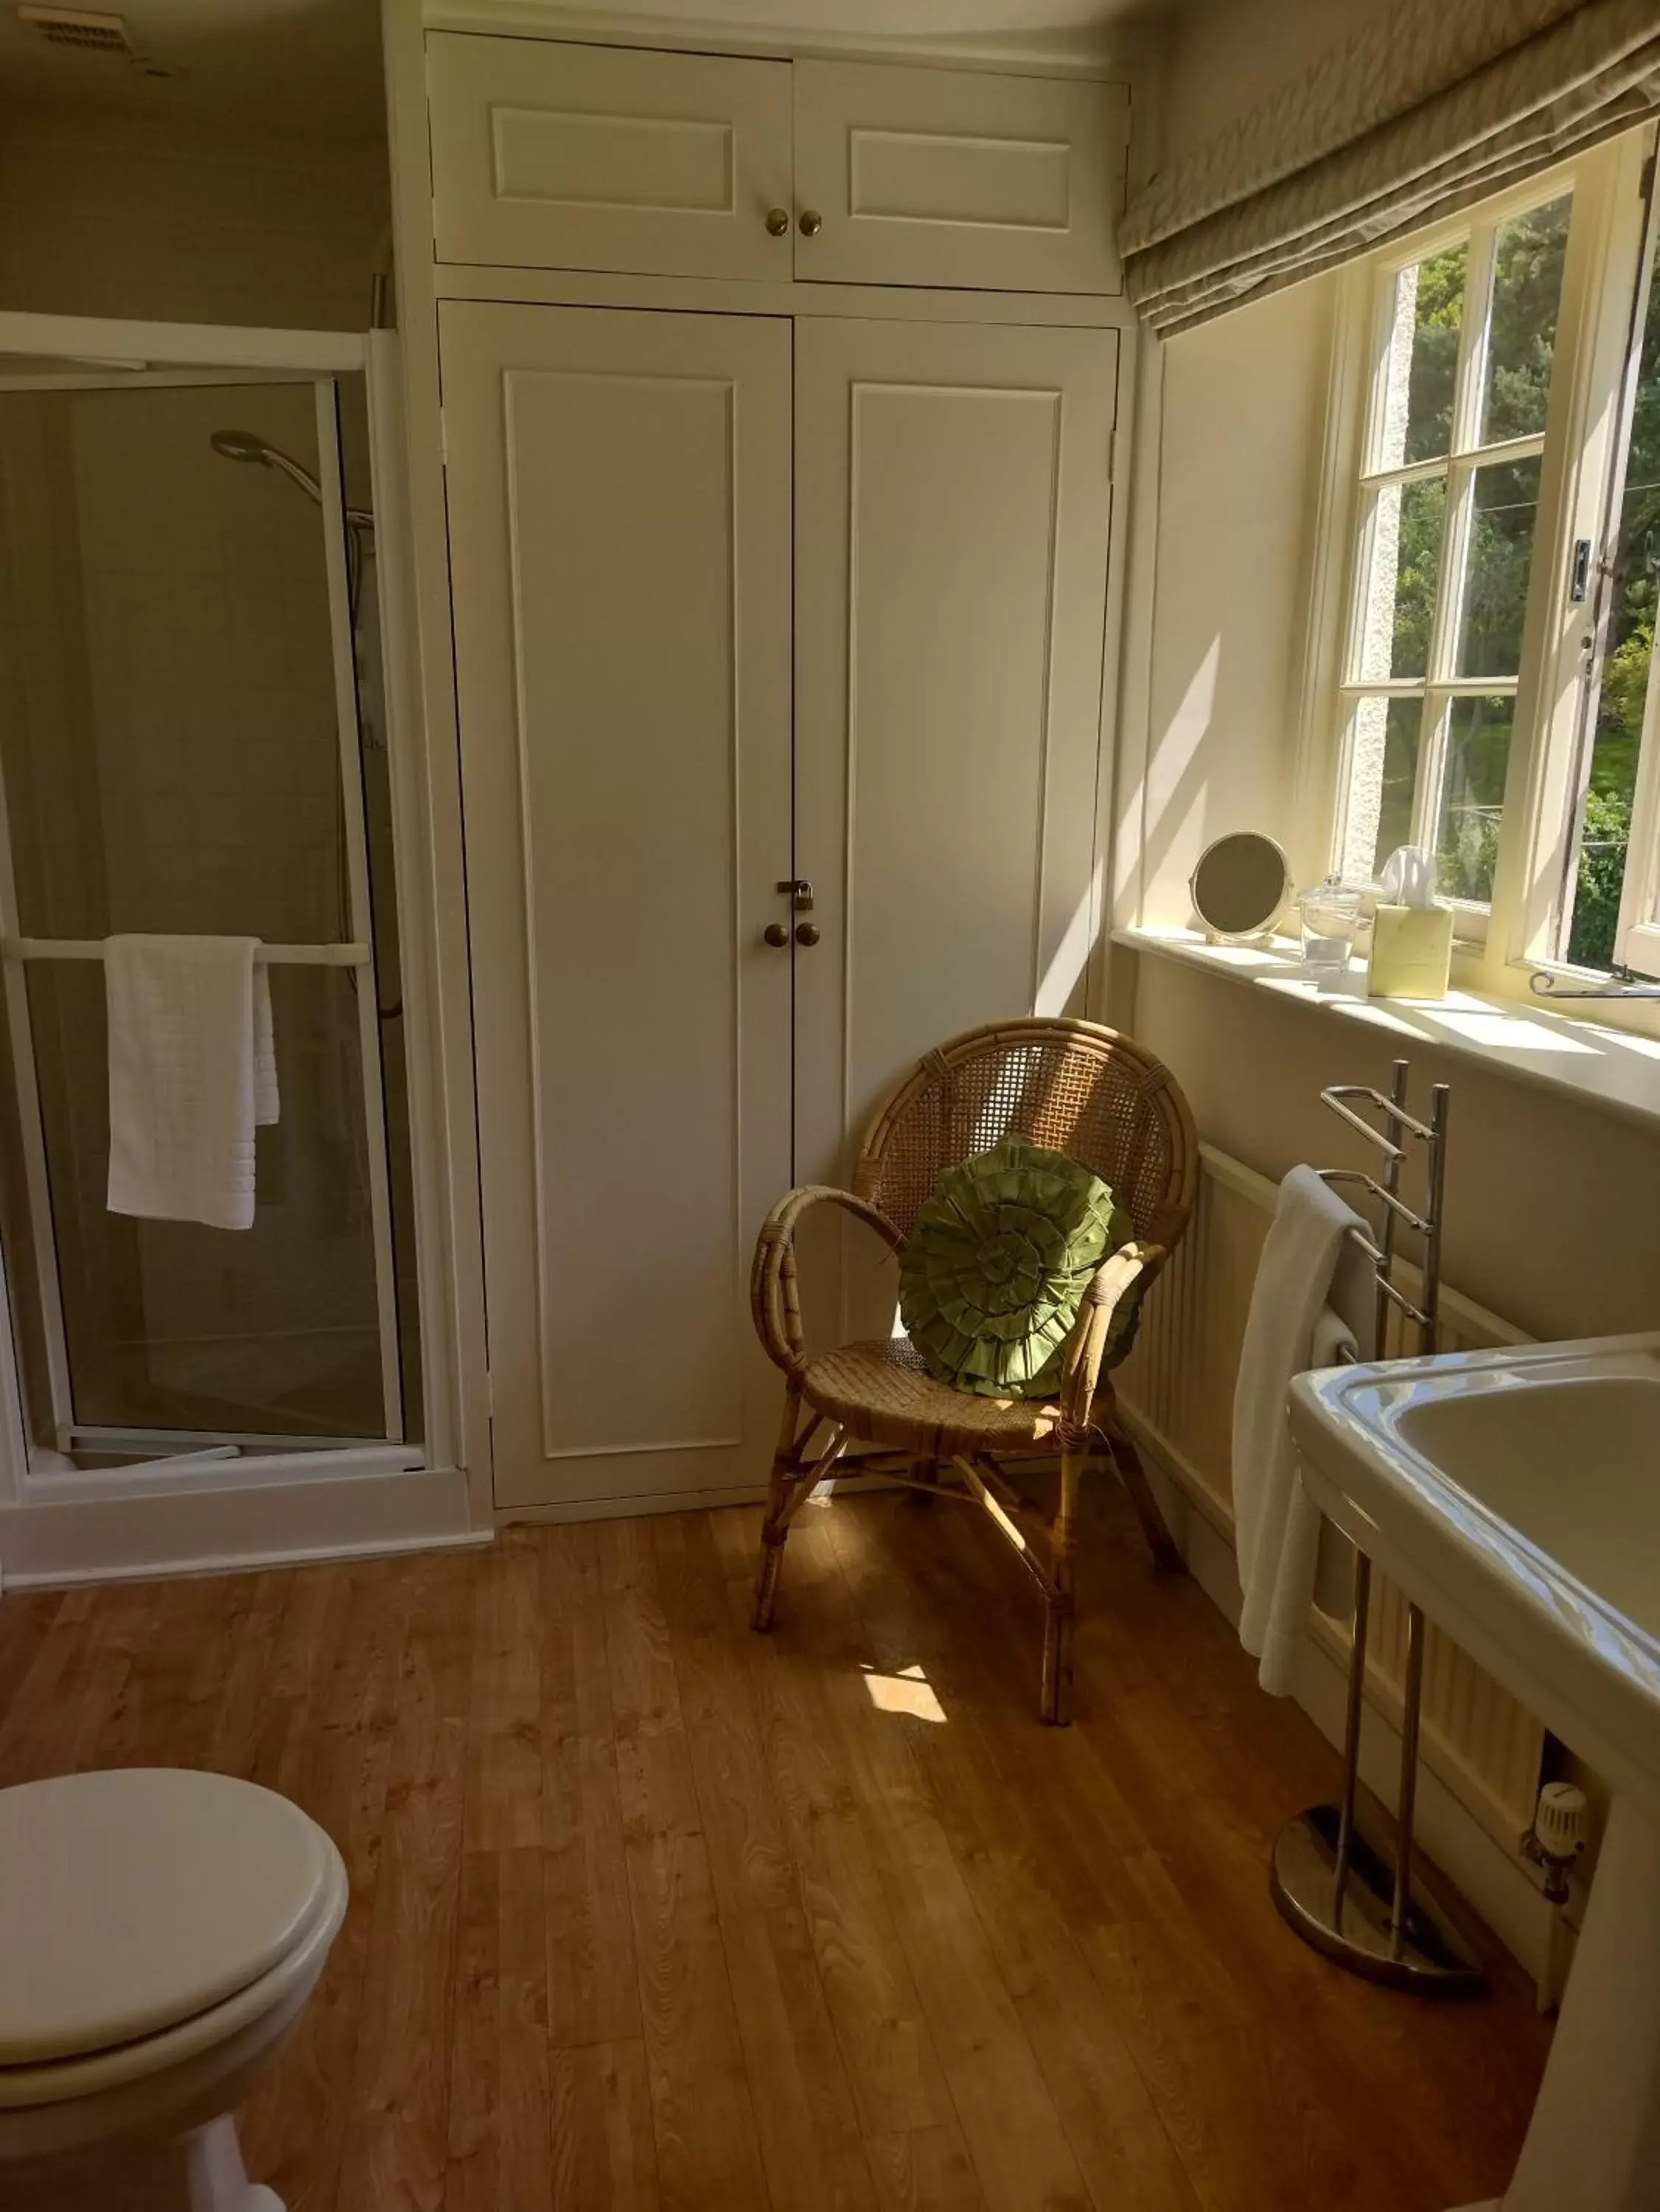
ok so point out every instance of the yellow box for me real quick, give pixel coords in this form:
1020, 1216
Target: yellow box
1411, 952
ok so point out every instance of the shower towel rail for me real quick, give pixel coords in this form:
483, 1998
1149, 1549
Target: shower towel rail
277, 955
1347, 1894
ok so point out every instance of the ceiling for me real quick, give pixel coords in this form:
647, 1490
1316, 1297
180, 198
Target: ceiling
314, 66
310, 66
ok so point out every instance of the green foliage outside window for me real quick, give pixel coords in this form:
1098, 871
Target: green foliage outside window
1527, 281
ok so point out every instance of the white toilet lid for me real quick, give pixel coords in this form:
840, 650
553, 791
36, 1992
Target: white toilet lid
134, 1900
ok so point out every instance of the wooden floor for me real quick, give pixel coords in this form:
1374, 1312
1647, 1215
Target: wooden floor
649, 1911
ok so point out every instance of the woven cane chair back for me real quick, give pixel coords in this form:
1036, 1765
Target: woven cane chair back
1075, 1086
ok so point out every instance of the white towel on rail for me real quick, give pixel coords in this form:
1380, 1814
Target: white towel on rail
1307, 1267
192, 1072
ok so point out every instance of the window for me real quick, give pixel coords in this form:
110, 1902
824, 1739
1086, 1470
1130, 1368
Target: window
1499, 549
1449, 516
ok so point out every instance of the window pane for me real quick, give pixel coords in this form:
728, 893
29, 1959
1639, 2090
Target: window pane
1403, 731
1383, 744
1628, 644
1473, 797
1527, 288
1429, 313
1507, 504
1406, 560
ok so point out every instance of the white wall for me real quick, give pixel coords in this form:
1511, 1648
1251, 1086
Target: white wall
104, 213
1234, 427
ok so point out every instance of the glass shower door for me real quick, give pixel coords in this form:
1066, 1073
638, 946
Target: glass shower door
184, 564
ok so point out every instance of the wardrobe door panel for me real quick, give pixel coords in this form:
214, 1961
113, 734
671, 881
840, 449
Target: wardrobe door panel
551, 155
953, 500
938, 176
619, 489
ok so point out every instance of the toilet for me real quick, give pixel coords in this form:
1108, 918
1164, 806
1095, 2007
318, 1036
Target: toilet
160, 1931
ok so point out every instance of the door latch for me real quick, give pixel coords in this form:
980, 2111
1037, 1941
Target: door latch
800, 894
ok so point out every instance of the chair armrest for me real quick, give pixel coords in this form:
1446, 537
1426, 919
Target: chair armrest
1104, 1318
775, 1298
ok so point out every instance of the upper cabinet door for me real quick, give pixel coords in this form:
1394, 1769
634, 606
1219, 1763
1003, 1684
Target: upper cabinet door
554, 156
942, 177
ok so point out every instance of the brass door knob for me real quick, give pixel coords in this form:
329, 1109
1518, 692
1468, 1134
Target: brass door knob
775, 933
812, 223
807, 932
778, 222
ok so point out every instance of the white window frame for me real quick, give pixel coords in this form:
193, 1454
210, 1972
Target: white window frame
1501, 946
1441, 686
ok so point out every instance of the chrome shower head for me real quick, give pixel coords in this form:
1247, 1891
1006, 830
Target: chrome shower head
244, 445
241, 445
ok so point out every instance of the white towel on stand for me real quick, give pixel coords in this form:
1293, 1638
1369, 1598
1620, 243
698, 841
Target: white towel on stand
1303, 1273
192, 1072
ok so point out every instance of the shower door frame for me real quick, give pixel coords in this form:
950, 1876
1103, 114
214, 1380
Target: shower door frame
257, 357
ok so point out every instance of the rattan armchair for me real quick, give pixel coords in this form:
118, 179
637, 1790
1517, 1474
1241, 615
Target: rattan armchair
872, 1409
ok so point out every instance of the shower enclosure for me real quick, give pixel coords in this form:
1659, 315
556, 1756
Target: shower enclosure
193, 740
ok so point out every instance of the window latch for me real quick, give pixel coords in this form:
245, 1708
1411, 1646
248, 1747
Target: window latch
1579, 578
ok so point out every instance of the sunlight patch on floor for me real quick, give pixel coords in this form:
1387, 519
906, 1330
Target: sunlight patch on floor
907, 1692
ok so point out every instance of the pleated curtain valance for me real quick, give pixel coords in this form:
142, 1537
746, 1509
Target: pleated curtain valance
1436, 105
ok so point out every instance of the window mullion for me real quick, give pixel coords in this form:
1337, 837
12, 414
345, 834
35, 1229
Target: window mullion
1450, 570
1473, 340
1431, 768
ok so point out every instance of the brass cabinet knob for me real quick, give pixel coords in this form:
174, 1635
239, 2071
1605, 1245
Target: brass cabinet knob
778, 222
775, 933
812, 223
807, 932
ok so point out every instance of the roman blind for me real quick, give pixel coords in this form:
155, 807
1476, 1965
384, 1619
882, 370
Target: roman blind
1432, 106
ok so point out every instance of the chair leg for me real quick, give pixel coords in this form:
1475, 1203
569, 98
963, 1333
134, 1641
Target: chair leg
1059, 1609
1166, 1557
775, 1528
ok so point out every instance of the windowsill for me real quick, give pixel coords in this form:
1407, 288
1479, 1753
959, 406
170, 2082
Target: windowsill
1614, 1069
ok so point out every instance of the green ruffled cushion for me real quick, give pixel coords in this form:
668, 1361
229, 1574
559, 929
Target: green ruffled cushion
997, 1262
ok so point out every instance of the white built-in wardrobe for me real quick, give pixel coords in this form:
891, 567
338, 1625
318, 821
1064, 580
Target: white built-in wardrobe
780, 409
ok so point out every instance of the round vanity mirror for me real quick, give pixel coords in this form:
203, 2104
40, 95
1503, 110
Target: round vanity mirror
1240, 884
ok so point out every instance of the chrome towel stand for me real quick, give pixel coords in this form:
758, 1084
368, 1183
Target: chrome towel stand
1337, 1885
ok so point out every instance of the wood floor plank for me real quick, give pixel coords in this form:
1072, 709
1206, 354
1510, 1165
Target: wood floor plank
64, 1689
703, 2115
593, 1989
649, 1912
397, 2137
805, 2110
501, 2136
927, 2170
604, 2151
1001, 1837
296, 2128
888, 2049
504, 1744
251, 1641
1020, 2149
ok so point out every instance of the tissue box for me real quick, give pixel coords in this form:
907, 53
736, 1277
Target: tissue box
1411, 952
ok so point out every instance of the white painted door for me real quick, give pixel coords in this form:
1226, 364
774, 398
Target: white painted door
619, 489
953, 508
548, 156
939, 176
